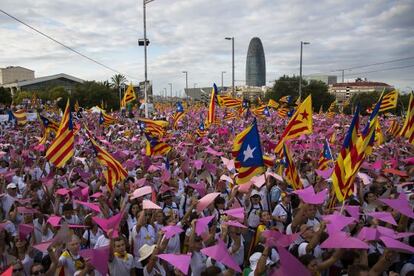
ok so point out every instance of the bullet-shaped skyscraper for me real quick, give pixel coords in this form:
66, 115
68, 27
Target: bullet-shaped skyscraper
255, 64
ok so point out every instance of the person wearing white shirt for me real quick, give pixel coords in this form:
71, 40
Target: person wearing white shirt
142, 233
282, 213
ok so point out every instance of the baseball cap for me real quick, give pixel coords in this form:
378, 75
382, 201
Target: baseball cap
11, 186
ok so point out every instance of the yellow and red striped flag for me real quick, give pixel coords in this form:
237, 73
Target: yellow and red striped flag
291, 174
247, 154
129, 95
211, 118
21, 117
154, 147
394, 128
389, 101
379, 136
273, 104
178, 114
227, 101
326, 157
113, 172
301, 123
62, 147
282, 112
106, 119
407, 130
155, 128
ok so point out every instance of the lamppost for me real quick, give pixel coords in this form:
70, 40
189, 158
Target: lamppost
300, 69
195, 85
186, 81
232, 63
145, 44
222, 73
170, 84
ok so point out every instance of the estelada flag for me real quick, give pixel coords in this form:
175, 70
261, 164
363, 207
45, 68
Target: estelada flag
129, 95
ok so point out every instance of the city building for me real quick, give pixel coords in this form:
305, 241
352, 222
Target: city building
198, 93
255, 64
12, 74
44, 83
327, 79
346, 90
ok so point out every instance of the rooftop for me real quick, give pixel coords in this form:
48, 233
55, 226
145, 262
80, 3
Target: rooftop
361, 83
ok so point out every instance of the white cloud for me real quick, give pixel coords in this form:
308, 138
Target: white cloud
189, 35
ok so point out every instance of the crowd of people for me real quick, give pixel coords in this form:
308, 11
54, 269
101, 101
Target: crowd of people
161, 220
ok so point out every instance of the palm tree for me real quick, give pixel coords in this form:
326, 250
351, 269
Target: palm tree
118, 80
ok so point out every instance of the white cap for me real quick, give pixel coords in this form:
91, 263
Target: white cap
255, 192
11, 186
254, 259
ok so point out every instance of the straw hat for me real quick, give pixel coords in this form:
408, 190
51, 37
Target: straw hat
145, 251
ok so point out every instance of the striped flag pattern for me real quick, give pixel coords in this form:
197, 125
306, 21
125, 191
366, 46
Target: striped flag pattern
326, 157
389, 101
407, 130
129, 95
113, 172
178, 114
106, 119
156, 128
394, 128
211, 117
227, 101
20, 117
154, 147
291, 174
62, 147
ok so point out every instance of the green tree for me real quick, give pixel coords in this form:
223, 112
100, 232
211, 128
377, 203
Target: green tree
91, 93
287, 85
5, 96
320, 95
365, 101
118, 80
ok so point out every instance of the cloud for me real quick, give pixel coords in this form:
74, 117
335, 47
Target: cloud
189, 35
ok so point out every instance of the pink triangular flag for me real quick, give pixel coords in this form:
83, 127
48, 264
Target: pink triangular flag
325, 174
8, 272
342, 240
110, 223
258, 180
92, 206
213, 151
42, 247
198, 164
99, 258
308, 195
206, 200
141, 192
220, 253
383, 216
226, 178
368, 234
201, 224
397, 245
148, 204
179, 261
400, 204
336, 222
237, 213
353, 211
25, 230
229, 163
289, 265
171, 231
275, 176
54, 220
235, 223
275, 238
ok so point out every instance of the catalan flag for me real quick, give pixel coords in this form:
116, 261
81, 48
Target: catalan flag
331, 109
269, 161
286, 99
407, 130
48, 127
154, 147
18, 116
201, 131
291, 174
326, 157
113, 172
155, 128
62, 147
211, 117
299, 124
261, 111
248, 155
332, 139
342, 184
34, 101
129, 95
283, 112
394, 128
178, 114
273, 104
389, 101
228, 115
227, 101
106, 119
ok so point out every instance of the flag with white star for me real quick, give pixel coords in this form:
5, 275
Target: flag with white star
248, 154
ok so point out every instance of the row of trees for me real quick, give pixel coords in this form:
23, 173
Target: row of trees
88, 94
287, 85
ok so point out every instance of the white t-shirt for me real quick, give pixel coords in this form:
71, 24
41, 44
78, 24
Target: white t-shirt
102, 241
317, 251
146, 235
93, 238
198, 263
157, 270
121, 267
280, 211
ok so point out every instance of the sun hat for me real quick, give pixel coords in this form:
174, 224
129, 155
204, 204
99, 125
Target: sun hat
145, 251
11, 186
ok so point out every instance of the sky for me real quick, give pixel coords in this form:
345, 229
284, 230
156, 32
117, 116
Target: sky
188, 35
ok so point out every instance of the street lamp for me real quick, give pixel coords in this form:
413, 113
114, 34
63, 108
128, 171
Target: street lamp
300, 70
145, 44
195, 85
186, 81
232, 62
222, 73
